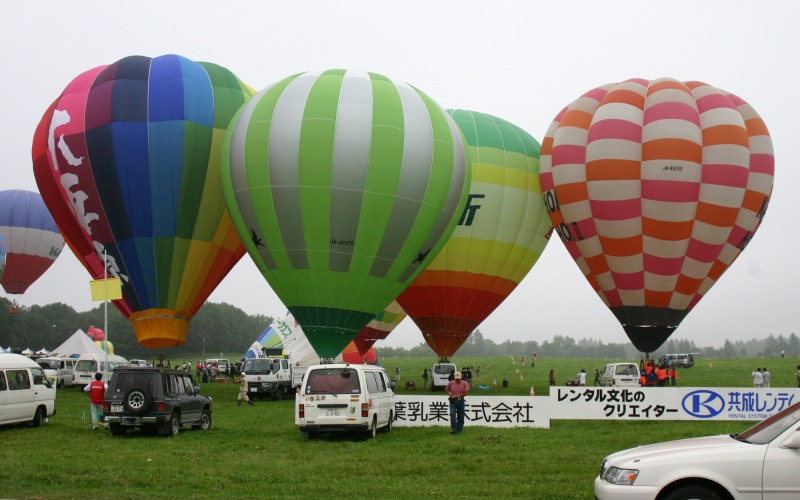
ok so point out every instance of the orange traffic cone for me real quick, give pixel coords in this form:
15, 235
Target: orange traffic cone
532, 393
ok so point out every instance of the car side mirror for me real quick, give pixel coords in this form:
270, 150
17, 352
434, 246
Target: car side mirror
196, 389
793, 441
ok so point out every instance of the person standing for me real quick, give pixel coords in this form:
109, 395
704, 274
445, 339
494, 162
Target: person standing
766, 376
243, 391
457, 389
552, 377
397, 373
425, 380
597, 377
96, 391
758, 378
798, 375
582, 377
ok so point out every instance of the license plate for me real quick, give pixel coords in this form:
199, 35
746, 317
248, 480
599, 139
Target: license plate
116, 408
331, 413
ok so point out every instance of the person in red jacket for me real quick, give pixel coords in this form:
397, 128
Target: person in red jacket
97, 391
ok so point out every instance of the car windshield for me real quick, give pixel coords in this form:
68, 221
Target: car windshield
333, 381
767, 430
86, 365
443, 369
50, 364
258, 365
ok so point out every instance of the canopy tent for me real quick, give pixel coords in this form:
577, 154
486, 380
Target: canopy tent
79, 343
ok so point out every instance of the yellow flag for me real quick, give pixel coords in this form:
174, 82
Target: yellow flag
107, 289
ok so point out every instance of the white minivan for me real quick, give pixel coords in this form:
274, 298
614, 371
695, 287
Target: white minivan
344, 398
63, 368
89, 364
25, 393
621, 374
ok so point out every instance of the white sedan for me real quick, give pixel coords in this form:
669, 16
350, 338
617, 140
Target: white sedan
761, 463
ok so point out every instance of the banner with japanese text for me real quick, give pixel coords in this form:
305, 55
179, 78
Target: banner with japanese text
669, 403
487, 411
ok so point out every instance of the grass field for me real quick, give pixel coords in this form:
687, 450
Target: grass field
256, 452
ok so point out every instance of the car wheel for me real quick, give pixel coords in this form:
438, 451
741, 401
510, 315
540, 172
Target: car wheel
60, 384
373, 429
116, 429
694, 492
388, 426
312, 435
278, 395
173, 426
38, 417
205, 421
137, 400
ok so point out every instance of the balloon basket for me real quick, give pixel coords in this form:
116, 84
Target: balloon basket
159, 328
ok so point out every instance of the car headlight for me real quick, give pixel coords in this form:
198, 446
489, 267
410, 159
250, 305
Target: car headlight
616, 475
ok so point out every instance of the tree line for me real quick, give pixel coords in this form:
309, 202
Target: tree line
224, 328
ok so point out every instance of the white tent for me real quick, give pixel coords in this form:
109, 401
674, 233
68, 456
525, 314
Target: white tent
79, 343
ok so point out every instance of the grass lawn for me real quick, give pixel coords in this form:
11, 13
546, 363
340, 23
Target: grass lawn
256, 452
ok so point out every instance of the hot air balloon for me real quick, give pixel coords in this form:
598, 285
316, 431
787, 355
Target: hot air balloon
2, 255
379, 328
343, 186
99, 338
32, 240
655, 187
500, 236
128, 159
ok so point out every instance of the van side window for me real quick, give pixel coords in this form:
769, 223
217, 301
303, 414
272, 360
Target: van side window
382, 380
18, 380
3, 385
372, 384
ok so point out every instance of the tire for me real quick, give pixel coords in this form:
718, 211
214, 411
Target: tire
173, 426
390, 425
137, 400
373, 429
313, 435
38, 417
694, 492
205, 421
278, 394
60, 384
116, 429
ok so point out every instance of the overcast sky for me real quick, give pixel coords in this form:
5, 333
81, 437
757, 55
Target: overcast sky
521, 61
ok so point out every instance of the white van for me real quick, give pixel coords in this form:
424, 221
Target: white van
222, 366
62, 368
344, 398
89, 364
440, 375
621, 374
25, 393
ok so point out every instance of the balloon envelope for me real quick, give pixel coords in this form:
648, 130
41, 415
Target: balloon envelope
379, 327
32, 240
501, 234
2, 255
128, 157
655, 187
343, 186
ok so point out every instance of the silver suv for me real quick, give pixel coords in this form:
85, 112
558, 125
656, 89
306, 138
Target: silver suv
154, 398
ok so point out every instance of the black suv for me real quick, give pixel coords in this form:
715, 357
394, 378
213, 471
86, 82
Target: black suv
154, 398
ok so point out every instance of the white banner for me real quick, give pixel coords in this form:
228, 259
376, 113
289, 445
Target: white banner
669, 403
488, 411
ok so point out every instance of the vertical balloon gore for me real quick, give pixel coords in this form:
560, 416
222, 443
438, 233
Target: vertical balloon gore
379, 327
343, 186
655, 188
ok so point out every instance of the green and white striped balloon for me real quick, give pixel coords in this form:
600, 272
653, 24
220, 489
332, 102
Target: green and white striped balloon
343, 186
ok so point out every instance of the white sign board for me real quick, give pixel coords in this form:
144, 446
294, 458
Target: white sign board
487, 411
669, 403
